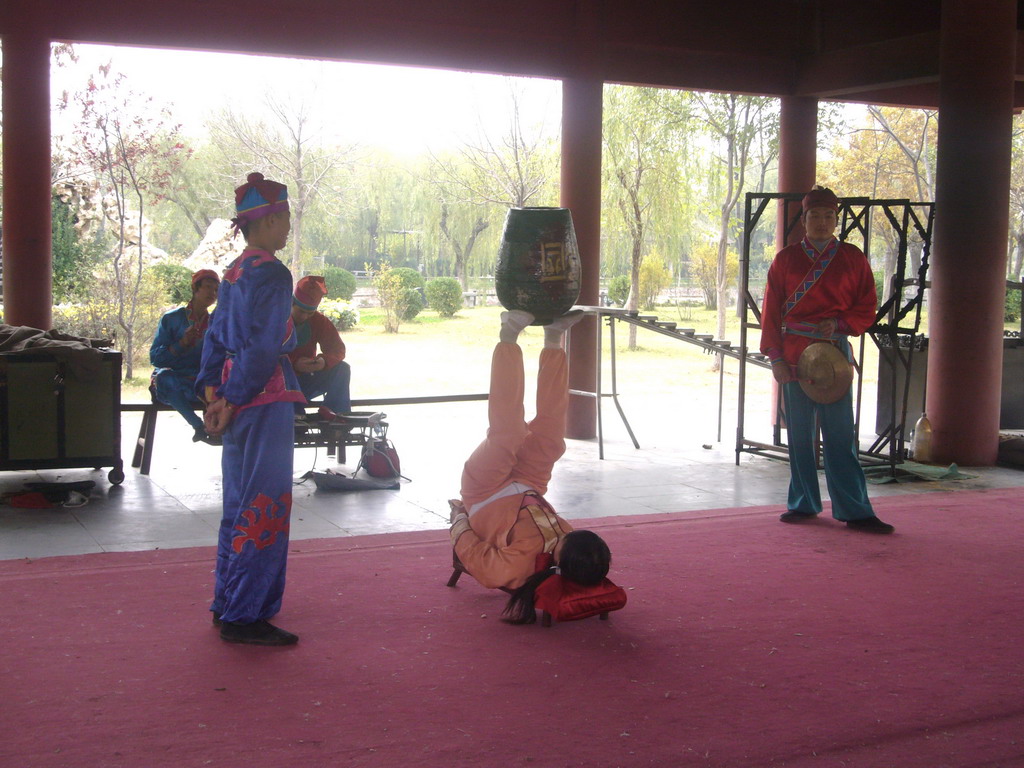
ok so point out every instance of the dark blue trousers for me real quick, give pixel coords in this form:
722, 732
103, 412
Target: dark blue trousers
178, 390
333, 384
252, 547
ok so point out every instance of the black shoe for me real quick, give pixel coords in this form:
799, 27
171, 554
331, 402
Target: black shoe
256, 633
796, 517
216, 619
870, 525
201, 436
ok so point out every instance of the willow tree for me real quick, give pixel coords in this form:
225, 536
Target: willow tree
738, 126
640, 162
1015, 262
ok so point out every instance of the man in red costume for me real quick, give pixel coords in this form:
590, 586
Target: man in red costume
819, 290
325, 372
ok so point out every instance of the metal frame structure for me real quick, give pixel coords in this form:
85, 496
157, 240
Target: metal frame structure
889, 329
705, 341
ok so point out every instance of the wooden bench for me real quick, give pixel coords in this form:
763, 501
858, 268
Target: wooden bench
333, 437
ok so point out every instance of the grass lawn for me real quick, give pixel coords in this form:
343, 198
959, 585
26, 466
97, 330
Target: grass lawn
664, 383
432, 355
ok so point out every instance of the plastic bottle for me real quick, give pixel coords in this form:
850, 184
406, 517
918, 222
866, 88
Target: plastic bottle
922, 442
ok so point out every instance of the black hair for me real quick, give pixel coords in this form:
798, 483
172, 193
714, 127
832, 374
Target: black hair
584, 559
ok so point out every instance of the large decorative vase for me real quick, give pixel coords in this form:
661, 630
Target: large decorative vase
538, 263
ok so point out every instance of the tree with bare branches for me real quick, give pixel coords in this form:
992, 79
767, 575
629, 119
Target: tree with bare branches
287, 147
131, 149
735, 122
891, 157
488, 174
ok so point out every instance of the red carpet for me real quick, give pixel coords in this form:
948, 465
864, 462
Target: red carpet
745, 643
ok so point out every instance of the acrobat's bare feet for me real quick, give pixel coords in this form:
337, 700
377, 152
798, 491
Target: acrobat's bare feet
512, 322
554, 332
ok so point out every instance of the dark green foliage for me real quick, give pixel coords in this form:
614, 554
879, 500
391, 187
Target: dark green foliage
74, 256
444, 295
414, 304
618, 290
175, 280
410, 277
1011, 308
414, 286
341, 284
881, 285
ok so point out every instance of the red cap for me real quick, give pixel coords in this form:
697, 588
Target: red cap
204, 274
308, 292
820, 197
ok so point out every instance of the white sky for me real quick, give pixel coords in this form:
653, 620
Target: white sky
402, 109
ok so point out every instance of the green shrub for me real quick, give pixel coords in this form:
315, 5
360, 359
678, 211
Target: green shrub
1011, 308
444, 295
654, 278
618, 290
341, 284
95, 320
75, 255
414, 303
343, 314
414, 284
175, 280
881, 286
393, 295
410, 277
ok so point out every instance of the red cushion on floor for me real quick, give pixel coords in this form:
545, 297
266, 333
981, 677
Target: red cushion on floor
29, 500
568, 601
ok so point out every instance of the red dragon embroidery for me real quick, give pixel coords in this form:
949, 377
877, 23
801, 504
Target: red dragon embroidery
264, 520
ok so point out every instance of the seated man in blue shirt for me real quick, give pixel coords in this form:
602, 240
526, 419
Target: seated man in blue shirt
178, 348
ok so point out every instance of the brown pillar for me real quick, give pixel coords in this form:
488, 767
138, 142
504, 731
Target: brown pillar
968, 272
798, 157
26, 138
581, 193
798, 145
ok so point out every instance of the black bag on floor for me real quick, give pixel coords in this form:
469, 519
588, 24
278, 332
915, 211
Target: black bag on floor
333, 481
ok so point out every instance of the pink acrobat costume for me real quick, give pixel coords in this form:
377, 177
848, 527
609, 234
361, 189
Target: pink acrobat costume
504, 479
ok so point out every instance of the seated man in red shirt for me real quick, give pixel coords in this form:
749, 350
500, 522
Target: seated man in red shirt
324, 372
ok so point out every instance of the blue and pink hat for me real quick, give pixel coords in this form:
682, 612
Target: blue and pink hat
257, 198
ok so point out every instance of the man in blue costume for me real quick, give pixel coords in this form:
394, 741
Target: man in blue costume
178, 349
250, 386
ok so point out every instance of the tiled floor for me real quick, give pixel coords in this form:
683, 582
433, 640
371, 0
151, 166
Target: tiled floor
679, 468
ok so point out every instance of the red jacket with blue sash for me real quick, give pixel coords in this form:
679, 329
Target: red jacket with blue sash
805, 287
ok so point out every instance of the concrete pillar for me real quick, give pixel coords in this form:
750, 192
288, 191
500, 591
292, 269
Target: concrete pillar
968, 268
581, 193
27, 225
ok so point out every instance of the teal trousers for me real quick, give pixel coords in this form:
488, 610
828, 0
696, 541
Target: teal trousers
844, 476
